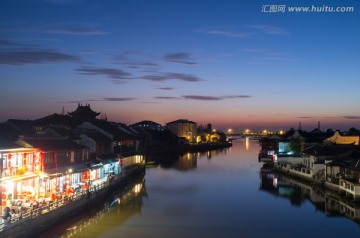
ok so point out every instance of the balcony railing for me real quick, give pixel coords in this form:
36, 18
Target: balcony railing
25, 213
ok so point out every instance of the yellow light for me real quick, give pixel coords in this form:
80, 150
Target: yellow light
188, 155
138, 188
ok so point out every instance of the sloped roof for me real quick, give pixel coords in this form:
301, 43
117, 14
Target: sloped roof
47, 144
97, 136
60, 131
330, 150
112, 128
58, 119
23, 127
352, 164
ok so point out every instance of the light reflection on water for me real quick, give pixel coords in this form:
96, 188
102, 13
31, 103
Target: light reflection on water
224, 193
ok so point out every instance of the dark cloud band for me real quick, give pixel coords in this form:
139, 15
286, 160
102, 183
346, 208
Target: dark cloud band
35, 57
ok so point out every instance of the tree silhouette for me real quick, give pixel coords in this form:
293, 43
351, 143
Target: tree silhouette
297, 144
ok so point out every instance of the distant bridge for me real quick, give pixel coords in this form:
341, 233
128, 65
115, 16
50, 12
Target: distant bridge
252, 136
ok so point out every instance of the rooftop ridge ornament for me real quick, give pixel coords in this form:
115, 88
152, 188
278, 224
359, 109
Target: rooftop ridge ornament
84, 112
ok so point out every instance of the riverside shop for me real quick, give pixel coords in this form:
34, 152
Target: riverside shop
19, 169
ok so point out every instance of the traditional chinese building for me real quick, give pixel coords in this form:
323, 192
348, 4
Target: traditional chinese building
19, 173
338, 138
84, 112
62, 163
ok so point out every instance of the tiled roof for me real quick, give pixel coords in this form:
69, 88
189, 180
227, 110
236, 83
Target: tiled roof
97, 136
23, 127
60, 131
52, 144
330, 150
58, 119
111, 127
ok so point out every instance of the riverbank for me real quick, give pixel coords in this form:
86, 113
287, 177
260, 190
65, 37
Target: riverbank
316, 181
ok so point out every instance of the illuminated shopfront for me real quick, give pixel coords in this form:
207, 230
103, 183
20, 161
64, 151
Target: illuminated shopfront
19, 169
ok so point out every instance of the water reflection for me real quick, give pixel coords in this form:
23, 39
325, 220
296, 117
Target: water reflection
247, 143
298, 191
216, 194
118, 208
184, 162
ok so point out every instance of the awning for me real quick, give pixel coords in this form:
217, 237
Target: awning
18, 177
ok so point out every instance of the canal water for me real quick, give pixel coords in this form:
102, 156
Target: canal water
223, 193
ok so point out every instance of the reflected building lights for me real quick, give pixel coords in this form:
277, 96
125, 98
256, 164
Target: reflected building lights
137, 188
247, 143
297, 191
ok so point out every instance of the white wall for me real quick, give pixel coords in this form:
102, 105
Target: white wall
290, 160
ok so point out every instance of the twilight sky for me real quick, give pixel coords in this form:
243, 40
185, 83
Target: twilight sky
234, 64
